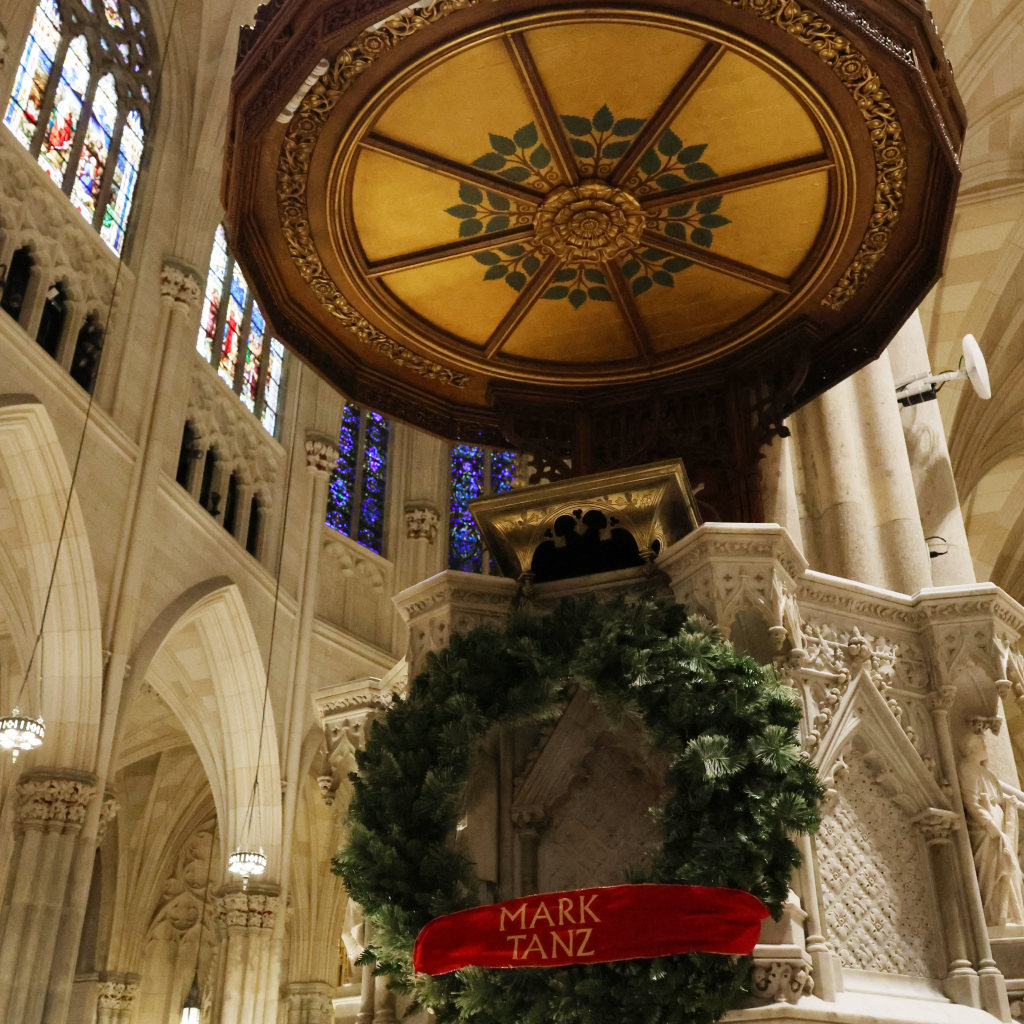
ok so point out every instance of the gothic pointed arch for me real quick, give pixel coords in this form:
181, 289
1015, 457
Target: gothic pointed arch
34, 483
201, 657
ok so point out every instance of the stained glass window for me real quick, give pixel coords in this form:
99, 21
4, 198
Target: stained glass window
233, 337
125, 177
93, 161
358, 488
95, 106
37, 60
66, 110
475, 472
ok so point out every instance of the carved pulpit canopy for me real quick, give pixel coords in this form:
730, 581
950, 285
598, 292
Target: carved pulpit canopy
596, 231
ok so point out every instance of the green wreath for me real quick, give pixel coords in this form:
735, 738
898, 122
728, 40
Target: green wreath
741, 787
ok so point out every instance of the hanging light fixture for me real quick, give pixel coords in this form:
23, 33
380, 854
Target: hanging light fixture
247, 863
192, 1008
18, 732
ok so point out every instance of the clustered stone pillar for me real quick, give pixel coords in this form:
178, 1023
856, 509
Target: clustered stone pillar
246, 920
860, 512
179, 292
50, 813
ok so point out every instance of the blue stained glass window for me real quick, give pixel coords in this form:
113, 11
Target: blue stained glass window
465, 552
475, 472
503, 472
375, 469
355, 502
343, 479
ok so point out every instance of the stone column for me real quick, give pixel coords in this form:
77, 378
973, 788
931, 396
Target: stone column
246, 920
179, 292
309, 1002
116, 998
937, 500
50, 813
321, 458
862, 518
937, 826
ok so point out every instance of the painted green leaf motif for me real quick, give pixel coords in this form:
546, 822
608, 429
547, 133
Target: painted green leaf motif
709, 205
515, 280
627, 126
540, 157
594, 276
525, 137
691, 154
680, 209
577, 297
462, 211
676, 264
490, 162
599, 294
512, 250
630, 267
650, 162
699, 172
516, 173
701, 236
565, 275
641, 285
502, 144
667, 181
497, 202
470, 227
494, 273
654, 255
662, 278
531, 265
559, 291
497, 224
488, 259
669, 145
614, 150
714, 220
470, 193
582, 148
675, 230
603, 119
576, 125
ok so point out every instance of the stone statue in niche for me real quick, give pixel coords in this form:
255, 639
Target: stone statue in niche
993, 827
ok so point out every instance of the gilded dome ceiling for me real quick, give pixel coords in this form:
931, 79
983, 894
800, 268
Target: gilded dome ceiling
463, 209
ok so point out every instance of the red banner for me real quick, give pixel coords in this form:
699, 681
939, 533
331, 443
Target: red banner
587, 926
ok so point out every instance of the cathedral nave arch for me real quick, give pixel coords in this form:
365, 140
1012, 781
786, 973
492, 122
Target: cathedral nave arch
34, 483
201, 657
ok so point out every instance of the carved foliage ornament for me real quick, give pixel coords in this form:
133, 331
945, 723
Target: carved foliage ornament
849, 65
53, 802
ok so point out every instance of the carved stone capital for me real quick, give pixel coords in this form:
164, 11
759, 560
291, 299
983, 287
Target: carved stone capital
979, 723
309, 1002
936, 825
237, 908
422, 522
942, 698
321, 455
108, 812
55, 802
179, 284
782, 981
117, 992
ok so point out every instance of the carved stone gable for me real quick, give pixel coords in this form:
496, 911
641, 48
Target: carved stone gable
875, 880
